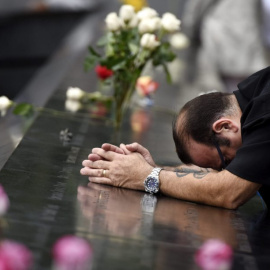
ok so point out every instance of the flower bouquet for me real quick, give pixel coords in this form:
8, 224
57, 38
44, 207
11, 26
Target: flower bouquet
131, 41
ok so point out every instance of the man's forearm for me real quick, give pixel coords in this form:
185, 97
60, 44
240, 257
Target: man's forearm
221, 189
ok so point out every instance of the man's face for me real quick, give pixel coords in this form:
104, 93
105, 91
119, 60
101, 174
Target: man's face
208, 157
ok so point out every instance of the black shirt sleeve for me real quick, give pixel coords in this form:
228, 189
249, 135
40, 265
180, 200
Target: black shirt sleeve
252, 160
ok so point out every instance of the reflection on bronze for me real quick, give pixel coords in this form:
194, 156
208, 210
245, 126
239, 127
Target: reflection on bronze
122, 212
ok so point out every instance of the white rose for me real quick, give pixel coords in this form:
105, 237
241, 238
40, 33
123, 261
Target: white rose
149, 41
179, 41
74, 93
149, 25
170, 23
113, 22
147, 13
5, 103
73, 105
126, 13
132, 23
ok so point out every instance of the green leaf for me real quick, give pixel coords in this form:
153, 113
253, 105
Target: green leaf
23, 109
134, 48
163, 54
109, 50
112, 62
102, 41
93, 52
92, 59
90, 62
121, 65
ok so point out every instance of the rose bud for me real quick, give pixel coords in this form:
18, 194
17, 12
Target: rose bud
14, 256
170, 23
75, 93
113, 22
103, 72
72, 253
179, 41
149, 41
126, 13
5, 103
147, 13
214, 255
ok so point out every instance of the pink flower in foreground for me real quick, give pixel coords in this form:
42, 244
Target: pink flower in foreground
146, 86
214, 255
71, 252
4, 201
14, 256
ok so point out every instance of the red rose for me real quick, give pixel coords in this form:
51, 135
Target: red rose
103, 72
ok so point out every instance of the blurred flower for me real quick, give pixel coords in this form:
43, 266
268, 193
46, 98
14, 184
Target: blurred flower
147, 12
214, 255
179, 41
99, 109
132, 23
137, 4
73, 105
75, 93
148, 41
103, 72
5, 103
146, 85
170, 23
14, 256
149, 25
71, 253
128, 16
113, 22
4, 201
140, 121
126, 13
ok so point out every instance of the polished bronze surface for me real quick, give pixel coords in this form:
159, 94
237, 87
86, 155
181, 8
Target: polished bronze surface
127, 229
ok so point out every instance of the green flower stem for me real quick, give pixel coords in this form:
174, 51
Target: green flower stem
123, 91
161, 34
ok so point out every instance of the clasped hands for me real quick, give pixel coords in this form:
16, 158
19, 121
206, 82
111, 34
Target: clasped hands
125, 166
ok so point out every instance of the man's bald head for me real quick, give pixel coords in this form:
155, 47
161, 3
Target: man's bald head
195, 121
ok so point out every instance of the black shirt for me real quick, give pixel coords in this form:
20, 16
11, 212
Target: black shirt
252, 160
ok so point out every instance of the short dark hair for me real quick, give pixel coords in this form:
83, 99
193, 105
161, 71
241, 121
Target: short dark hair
195, 121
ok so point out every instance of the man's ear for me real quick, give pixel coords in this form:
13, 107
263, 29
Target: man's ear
225, 125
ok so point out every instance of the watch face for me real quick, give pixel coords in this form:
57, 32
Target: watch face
152, 184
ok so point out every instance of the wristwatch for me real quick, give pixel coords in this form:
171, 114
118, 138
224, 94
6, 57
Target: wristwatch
151, 183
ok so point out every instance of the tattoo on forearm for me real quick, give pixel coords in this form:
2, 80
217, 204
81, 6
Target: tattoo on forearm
200, 175
185, 171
